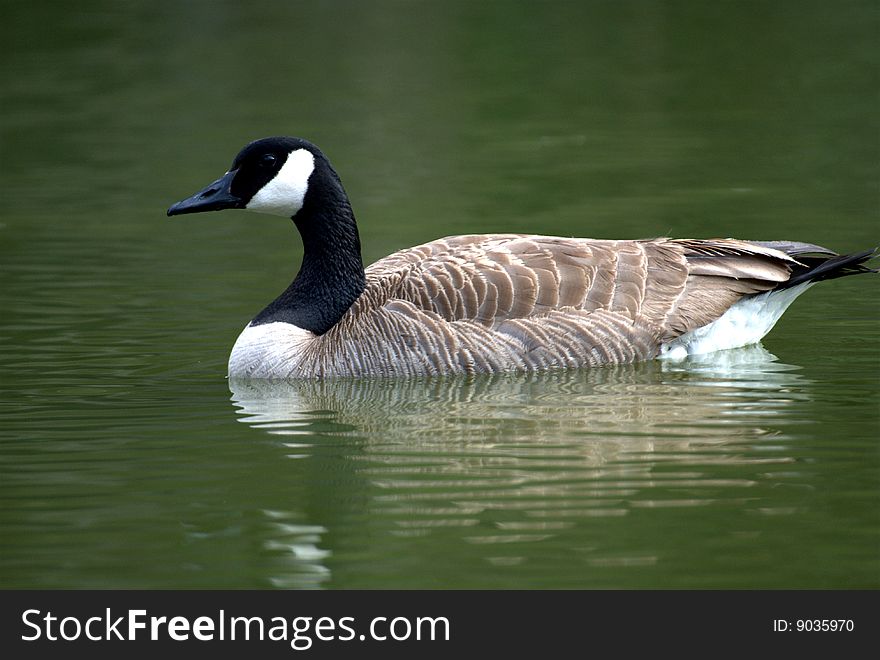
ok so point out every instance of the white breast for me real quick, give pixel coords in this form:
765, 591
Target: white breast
269, 350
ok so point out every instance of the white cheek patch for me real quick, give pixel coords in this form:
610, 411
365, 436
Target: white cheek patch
284, 194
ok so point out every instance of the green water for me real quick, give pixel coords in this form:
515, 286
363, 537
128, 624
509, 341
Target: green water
128, 460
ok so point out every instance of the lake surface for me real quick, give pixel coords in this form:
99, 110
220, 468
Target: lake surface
127, 459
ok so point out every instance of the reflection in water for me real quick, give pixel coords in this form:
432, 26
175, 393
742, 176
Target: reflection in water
298, 558
534, 454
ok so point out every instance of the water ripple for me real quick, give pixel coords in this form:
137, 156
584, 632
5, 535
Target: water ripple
546, 449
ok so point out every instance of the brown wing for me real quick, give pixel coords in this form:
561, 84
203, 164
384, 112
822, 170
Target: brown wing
470, 304
491, 279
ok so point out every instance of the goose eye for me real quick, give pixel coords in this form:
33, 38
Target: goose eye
268, 160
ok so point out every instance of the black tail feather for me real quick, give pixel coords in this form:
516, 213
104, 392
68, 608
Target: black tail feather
818, 268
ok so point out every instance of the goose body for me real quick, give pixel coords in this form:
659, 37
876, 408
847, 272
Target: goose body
496, 302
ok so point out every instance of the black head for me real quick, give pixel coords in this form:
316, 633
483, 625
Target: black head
271, 175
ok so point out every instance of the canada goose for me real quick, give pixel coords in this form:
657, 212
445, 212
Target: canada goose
495, 302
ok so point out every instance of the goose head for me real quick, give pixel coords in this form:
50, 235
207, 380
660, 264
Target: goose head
290, 177
276, 175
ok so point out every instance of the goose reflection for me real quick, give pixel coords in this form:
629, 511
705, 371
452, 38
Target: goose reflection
520, 458
618, 408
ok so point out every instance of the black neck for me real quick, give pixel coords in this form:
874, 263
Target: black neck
332, 274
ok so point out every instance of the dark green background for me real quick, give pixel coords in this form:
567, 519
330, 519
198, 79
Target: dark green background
123, 462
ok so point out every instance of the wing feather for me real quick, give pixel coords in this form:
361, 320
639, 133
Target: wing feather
490, 280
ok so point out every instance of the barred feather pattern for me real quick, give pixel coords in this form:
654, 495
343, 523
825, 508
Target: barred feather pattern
509, 302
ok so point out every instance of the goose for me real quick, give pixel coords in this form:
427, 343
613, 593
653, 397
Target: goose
487, 303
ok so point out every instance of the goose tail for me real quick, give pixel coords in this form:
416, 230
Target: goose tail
818, 263
750, 319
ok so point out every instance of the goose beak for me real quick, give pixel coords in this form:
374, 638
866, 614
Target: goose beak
214, 197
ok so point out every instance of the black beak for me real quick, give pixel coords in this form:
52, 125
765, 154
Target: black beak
214, 197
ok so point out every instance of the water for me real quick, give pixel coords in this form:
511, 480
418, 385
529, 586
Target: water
128, 460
